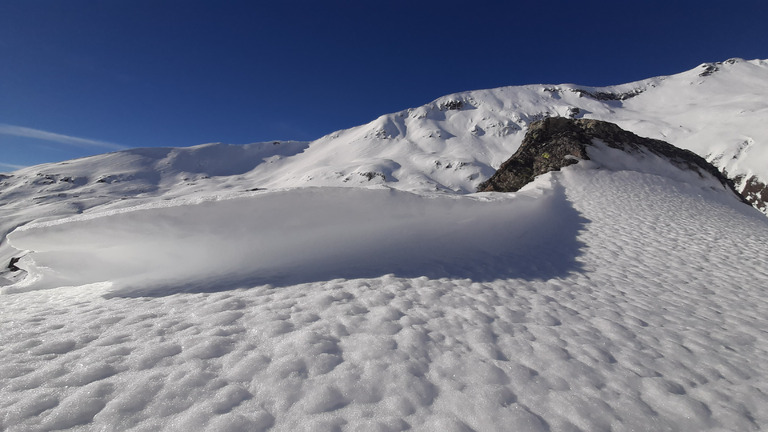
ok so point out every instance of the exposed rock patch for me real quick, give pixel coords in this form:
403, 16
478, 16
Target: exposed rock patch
451, 105
710, 68
556, 142
756, 193
12, 264
608, 96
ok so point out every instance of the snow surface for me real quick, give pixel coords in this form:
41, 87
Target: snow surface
618, 294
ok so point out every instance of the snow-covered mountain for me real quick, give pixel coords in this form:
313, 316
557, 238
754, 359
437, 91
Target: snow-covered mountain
716, 110
357, 282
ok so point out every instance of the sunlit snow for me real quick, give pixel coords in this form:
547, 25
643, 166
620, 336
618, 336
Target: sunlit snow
597, 298
356, 283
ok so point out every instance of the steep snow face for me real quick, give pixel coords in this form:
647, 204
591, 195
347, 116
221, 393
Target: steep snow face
616, 294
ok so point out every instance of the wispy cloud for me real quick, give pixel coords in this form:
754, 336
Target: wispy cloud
11, 166
26, 132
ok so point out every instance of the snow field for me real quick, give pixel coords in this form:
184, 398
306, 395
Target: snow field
644, 310
694, 293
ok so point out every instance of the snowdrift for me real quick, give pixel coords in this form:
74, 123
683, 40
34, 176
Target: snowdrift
304, 235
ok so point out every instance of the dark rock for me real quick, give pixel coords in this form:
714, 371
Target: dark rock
12, 265
607, 96
756, 193
556, 142
549, 145
46, 179
709, 69
451, 105
369, 175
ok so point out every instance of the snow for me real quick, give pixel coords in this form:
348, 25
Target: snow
617, 294
294, 235
357, 283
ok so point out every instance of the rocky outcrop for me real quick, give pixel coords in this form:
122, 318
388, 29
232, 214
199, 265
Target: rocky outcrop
608, 96
556, 142
710, 68
12, 264
451, 105
755, 192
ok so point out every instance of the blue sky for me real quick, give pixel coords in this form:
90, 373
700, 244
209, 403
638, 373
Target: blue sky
85, 77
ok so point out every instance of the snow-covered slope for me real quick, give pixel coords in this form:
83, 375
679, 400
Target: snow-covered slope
613, 295
357, 283
455, 142
128, 178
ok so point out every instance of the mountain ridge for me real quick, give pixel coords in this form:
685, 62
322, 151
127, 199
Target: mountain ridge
450, 145
455, 142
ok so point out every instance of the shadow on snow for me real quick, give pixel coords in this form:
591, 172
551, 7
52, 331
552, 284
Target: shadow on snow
521, 238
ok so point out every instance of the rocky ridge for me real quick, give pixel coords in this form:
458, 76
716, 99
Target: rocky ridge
557, 142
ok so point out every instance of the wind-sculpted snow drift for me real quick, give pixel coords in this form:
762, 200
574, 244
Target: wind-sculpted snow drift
304, 235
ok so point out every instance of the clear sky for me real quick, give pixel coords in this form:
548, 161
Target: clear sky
84, 77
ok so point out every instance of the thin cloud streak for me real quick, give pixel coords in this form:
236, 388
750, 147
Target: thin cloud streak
11, 166
26, 132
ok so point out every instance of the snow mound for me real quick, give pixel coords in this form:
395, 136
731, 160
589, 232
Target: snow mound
303, 235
